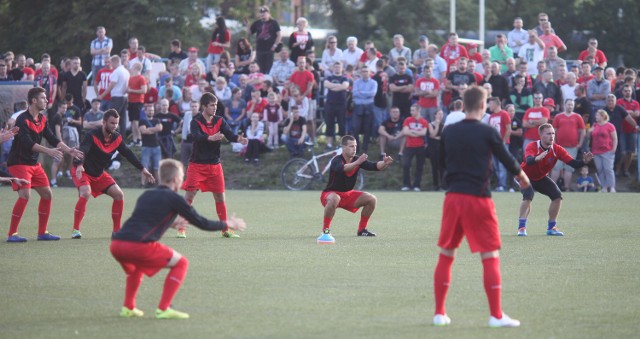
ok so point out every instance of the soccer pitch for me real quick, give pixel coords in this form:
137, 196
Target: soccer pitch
276, 282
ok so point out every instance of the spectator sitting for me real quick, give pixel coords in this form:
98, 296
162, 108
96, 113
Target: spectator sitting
255, 76
255, 134
390, 133
168, 83
295, 133
585, 182
221, 90
93, 117
195, 74
235, 110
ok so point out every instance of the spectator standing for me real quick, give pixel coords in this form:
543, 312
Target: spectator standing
570, 134
335, 105
118, 82
501, 121
532, 52
401, 87
282, 69
517, 37
548, 88
75, 82
47, 81
414, 128
330, 55
604, 142
628, 138
364, 91
100, 50
136, 89
452, 51
600, 58
186, 145
351, 55
597, 90
220, 39
435, 131
169, 124
533, 118
399, 50
500, 52
551, 39
267, 32
300, 41
101, 83
272, 117
428, 92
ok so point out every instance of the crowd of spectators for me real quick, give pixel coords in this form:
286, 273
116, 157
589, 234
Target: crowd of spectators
277, 93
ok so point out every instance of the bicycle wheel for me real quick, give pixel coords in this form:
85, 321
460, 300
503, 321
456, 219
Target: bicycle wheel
360, 181
296, 175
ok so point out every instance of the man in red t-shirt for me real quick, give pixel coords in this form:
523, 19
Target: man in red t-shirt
570, 132
414, 128
303, 78
501, 121
539, 159
627, 139
534, 117
452, 50
428, 90
101, 83
600, 58
136, 90
257, 104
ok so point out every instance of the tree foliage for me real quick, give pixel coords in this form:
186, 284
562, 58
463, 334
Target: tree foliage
66, 28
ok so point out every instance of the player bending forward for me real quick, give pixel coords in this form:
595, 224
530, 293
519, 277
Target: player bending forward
136, 245
466, 150
98, 147
539, 159
340, 193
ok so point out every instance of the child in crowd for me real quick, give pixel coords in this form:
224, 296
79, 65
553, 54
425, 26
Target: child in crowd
272, 117
585, 181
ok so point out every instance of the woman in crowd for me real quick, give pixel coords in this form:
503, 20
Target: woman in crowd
300, 41
245, 55
220, 39
235, 109
604, 142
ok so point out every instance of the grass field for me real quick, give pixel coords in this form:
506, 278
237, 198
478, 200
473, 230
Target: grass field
276, 282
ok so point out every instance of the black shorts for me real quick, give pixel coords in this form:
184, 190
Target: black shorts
134, 109
544, 186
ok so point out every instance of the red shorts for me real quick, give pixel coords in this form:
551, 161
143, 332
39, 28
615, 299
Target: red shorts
204, 177
35, 174
347, 199
148, 258
99, 185
471, 216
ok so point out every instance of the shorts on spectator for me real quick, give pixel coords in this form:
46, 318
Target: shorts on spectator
573, 151
628, 142
134, 109
150, 157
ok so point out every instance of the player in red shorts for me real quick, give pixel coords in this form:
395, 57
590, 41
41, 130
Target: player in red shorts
539, 158
99, 145
23, 163
466, 150
136, 245
340, 193
205, 171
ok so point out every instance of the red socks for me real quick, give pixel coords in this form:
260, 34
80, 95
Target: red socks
16, 215
133, 284
363, 222
78, 212
116, 214
44, 210
441, 282
493, 285
172, 283
221, 209
326, 223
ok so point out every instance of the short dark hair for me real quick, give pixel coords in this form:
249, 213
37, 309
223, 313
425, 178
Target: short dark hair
34, 92
95, 100
176, 43
474, 98
208, 98
110, 113
68, 97
346, 139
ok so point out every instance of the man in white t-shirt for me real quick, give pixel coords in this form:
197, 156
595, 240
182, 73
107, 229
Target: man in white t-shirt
456, 115
532, 52
118, 83
351, 55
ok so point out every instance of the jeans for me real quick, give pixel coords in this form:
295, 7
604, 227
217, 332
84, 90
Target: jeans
332, 114
264, 60
167, 145
407, 156
150, 157
379, 116
295, 149
362, 123
604, 169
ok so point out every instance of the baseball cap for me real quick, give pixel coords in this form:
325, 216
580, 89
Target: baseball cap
193, 49
424, 38
548, 102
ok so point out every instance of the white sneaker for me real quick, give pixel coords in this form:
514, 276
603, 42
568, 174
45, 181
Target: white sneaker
416, 189
504, 322
405, 189
441, 320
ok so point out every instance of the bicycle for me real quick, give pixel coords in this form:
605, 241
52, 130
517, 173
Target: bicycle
298, 174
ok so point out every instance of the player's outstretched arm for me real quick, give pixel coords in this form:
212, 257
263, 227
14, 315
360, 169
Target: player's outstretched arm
385, 162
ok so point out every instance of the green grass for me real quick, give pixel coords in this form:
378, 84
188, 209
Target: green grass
276, 282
